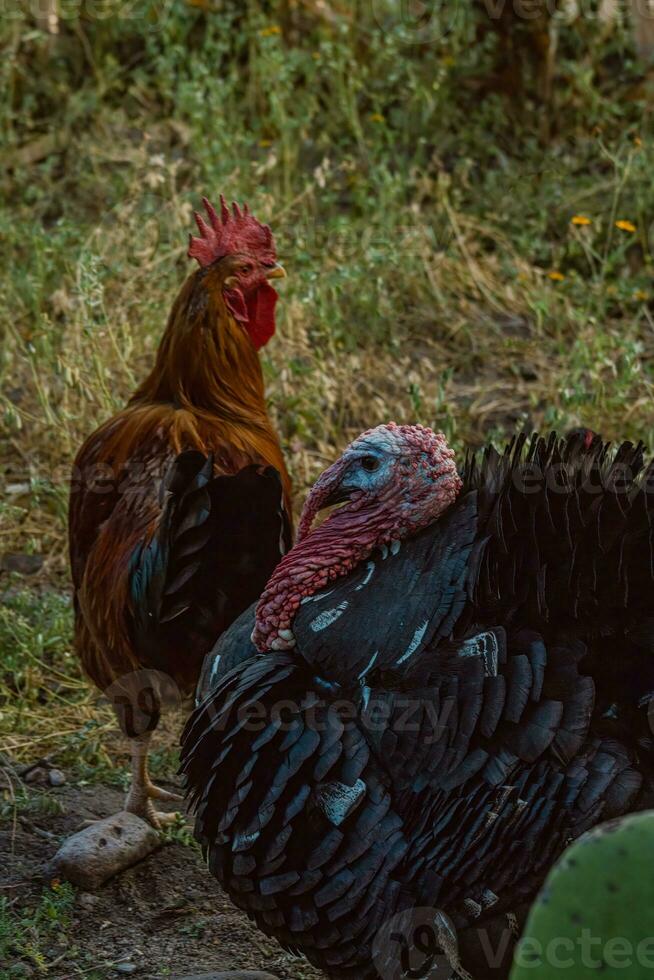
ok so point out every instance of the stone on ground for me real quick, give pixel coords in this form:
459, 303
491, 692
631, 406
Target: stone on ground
104, 849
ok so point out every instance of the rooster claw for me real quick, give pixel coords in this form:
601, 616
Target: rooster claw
156, 818
157, 793
139, 801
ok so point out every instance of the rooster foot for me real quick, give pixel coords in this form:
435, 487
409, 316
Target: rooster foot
139, 801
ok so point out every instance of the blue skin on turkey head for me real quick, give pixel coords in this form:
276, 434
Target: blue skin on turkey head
386, 612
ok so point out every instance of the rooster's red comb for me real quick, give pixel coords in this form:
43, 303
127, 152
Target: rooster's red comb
231, 232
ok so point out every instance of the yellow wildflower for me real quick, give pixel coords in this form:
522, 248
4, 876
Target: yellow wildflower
265, 143
641, 296
580, 220
626, 226
269, 31
377, 117
556, 276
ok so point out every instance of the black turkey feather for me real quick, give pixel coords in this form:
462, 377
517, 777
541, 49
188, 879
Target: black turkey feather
418, 594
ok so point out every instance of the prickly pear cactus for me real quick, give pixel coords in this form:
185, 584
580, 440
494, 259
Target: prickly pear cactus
594, 917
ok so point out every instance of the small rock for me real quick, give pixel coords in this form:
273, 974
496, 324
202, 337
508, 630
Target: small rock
126, 969
20, 563
56, 777
87, 901
22, 970
106, 848
37, 776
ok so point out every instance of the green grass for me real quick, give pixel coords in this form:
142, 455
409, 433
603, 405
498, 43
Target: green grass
418, 216
32, 934
46, 708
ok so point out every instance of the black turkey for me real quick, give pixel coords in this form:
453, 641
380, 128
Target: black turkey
450, 680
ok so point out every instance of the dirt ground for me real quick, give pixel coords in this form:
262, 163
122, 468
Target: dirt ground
165, 917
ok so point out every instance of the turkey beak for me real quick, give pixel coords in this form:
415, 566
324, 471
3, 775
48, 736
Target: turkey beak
328, 489
337, 496
277, 272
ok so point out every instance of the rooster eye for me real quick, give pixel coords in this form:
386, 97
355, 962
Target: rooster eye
370, 463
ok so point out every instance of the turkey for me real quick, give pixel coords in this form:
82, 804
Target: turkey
448, 680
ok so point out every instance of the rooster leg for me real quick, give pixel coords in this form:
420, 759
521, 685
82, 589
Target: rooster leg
143, 791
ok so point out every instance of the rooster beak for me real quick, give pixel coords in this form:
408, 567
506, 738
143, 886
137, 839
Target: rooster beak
277, 272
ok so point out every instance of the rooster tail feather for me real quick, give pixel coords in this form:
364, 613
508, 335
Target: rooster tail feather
216, 543
163, 570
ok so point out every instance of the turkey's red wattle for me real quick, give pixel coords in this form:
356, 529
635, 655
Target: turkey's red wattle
330, 551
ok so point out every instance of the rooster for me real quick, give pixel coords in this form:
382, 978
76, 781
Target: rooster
180, 503
448, 680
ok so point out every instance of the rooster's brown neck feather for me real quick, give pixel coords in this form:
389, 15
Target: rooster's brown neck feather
206, 361
206, 387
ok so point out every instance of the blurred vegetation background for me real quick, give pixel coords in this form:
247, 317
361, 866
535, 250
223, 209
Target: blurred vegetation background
463, 203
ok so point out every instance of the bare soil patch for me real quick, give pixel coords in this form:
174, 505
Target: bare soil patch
166, 916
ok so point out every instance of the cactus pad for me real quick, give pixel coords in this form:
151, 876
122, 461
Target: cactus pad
594, 916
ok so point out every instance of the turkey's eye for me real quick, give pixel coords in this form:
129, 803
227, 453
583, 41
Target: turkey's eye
370, 463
